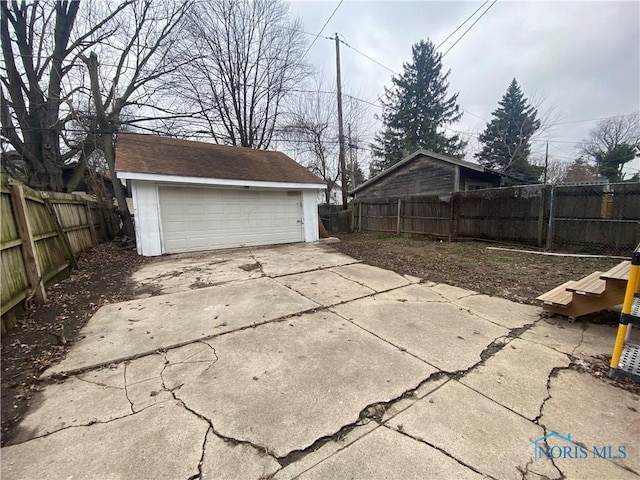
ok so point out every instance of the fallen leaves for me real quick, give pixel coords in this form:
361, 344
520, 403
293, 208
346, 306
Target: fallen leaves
45, 332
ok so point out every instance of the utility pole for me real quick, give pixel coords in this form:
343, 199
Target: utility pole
546, 163
352, 165
343, 172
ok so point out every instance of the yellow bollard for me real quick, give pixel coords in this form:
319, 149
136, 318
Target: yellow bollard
633, 287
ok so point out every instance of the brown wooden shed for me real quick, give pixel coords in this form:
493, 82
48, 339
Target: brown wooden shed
428, 173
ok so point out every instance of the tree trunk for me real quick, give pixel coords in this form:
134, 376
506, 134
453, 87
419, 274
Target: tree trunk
118, 190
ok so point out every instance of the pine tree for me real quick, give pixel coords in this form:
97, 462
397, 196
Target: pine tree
507, 138
416, 110
611, 144
610, 164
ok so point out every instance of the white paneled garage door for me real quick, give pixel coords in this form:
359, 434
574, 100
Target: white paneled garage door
206, 218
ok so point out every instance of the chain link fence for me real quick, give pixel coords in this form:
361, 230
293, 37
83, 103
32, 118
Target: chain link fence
596, 219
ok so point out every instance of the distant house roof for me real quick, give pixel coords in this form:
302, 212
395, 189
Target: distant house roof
428, 153
153, 154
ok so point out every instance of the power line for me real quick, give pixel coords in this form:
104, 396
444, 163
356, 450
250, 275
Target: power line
472, 25
596, 119
322, 29
395, 73
474, 115
363, 101
559, 149
462, 24
368, 57
328, 92
282, 27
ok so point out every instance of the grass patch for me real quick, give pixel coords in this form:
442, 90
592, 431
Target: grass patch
388, 236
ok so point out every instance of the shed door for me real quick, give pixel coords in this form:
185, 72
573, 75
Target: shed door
207, 218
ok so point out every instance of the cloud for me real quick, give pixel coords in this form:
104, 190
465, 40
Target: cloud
583, 57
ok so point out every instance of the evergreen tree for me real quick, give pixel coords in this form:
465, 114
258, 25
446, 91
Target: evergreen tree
416, 110
611, 144
611, 163
507, 138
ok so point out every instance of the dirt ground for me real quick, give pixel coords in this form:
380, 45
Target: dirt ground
45, 333
520, 277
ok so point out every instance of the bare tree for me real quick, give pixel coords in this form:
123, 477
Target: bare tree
251, 56
40, 45
360, 125
555, 170
311, 132
580, 171
144, 53
611, 144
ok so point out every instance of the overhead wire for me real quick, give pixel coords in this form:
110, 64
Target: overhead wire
470, 27
368, 57
462, 24
596, 119
322, 29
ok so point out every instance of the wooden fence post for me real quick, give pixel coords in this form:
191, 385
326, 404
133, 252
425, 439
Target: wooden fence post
541, 212
359, 216
453, 217
399, 218
92, 228
32, 267
551, 222
63, 237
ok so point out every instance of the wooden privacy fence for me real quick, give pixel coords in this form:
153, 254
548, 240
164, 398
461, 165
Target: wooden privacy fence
583, 218
41, 235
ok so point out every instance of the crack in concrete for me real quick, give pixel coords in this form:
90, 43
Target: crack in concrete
186, 360
260, 267
584, 330
524, 472
552, 374
126, 391
372, 412
100, 384
367, 286
448, 300
66, 374
481, 317
316, 269
233, 441
201, 461
179, 272
296, 455
211, 428
441, 450
84, 425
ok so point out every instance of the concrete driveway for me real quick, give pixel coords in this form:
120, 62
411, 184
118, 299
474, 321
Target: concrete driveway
299, 362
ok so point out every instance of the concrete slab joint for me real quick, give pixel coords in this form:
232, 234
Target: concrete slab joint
303, 363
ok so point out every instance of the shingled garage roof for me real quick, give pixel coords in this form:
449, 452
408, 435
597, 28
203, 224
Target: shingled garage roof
152, 154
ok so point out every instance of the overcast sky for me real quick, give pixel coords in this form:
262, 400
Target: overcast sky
583, 58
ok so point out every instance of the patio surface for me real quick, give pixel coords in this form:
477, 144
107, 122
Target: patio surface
299, 362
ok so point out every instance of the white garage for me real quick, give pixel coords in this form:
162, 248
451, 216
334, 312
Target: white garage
193, 196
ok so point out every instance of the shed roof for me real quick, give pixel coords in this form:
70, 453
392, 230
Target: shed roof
428, 153
186, 158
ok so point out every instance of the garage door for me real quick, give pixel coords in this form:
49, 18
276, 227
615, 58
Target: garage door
205, 218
